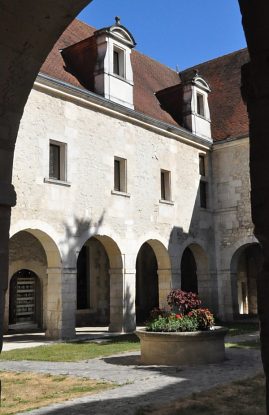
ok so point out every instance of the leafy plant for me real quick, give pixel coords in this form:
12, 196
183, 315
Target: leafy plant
173, 324
182, 301
204, 318
185, 314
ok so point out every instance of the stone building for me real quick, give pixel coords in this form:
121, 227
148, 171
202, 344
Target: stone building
131, 179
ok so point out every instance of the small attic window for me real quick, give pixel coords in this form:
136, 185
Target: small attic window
200, 104
119, 62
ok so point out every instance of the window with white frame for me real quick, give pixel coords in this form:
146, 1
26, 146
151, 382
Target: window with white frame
165, 185
200, 105
120, 174
57, 161
119, 62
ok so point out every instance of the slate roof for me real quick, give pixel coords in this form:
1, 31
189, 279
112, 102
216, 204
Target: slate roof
228, 113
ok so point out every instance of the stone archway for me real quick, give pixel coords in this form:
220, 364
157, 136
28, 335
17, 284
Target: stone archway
153, 278
189, 280
246, 264
147, 284
42, 256
93, 285
117, 306
195, 273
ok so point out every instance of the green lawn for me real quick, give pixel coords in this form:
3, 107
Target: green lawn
71, 352
236, 329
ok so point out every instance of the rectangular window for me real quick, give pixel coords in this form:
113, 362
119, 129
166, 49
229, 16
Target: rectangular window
165, 185
120, 174
203, 194
57, 161
200, 105
202, 165
119, 62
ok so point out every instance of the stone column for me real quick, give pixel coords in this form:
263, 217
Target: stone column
116, 300
225, 295
61, 303
122, 300
165, 284
176, 279
129, 300
7, 200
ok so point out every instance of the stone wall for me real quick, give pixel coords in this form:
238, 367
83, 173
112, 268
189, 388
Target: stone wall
233, 225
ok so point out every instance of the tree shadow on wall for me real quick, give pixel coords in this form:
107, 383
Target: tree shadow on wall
75, 230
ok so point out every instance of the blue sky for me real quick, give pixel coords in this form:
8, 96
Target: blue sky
174, 32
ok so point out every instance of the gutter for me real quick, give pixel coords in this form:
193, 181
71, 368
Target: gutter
71, 92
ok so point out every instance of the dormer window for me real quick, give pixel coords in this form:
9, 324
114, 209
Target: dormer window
113, 74
195, 104
119, 62
200, 105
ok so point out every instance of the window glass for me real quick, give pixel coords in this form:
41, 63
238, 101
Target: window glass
200, 105
54, 162
120, 174
165, 185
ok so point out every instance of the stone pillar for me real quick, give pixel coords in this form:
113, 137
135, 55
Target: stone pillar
129, 300
176, 279
165, 284
61, 303
7, 199
116, 300
225, 295
122, 300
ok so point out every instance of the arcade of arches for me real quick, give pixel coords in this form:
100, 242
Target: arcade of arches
99, 291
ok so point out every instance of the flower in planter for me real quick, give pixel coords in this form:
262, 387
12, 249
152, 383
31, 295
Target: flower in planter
185, 314
182, 301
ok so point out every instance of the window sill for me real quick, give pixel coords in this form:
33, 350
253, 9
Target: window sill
55, 181
167, 202
203, 117
118, 193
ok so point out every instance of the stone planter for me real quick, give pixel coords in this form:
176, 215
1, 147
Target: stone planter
191, 348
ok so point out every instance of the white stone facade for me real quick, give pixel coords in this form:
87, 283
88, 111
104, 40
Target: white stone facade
94, 247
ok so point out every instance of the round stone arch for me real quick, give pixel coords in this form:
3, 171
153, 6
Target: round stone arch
121, 297
48, 268
197, 268
46, 236
246, 263
153, 277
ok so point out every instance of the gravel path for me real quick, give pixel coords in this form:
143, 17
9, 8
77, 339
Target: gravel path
140, 385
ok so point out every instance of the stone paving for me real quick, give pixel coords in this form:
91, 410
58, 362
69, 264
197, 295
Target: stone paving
140, 385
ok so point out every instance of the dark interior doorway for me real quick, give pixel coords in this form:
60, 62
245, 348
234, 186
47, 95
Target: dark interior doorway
189, 280
24, 299
147, 286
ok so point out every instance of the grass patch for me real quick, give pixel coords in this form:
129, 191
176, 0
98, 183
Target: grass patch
244, 345
25, 391
245, 397
71, 352
236, 329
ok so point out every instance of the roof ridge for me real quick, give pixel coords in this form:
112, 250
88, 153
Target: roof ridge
215, 59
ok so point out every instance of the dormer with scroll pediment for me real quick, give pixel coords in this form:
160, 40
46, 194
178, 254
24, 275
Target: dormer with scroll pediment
196, 114
113, 74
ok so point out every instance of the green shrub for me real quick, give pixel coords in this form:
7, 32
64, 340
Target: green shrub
173, 324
